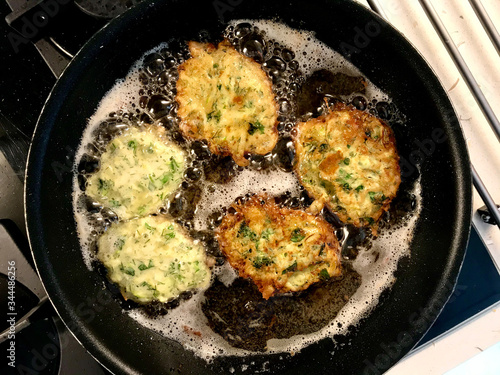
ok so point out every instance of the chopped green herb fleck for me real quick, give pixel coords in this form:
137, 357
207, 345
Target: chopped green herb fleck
291, 268
168, 235
104, 185
266, 233
115, 203
214, 115
324, 275
173, 164
246, 232
146, 284
297, 235
346, 186
149, 227
322, 250
165, 178
262, 260
377, 197
132, 145
346, 161
119, 243
143, 267
127, 270
256, 126
359, 188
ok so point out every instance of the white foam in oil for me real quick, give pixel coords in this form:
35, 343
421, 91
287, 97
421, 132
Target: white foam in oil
187, 324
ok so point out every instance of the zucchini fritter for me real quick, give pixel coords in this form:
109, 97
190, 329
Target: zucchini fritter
280, 249
138, 172
227, 99
151, 258
347, 159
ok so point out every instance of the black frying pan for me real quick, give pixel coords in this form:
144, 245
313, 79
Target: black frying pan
424, 281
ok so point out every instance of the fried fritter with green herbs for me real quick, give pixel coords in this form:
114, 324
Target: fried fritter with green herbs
347, 160
226, 99
280, 249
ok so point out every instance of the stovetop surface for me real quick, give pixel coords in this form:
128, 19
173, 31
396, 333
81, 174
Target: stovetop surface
25, 83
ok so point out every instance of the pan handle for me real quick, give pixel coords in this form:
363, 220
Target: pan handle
50, 52
31, 20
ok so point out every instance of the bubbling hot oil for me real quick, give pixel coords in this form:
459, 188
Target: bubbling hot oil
147, 96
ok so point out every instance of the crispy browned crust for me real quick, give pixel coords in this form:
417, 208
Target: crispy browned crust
347, 160
200, 85
280, 249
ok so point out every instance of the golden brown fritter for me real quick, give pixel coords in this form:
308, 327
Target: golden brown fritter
227, 99
347, 159
280, 249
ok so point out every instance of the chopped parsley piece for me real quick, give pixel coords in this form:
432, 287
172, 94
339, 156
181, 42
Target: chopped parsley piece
346, 186
297, 235
165, 178
346, 161
214, 115
146, 284
322, 250
262, 260
246, 232
343, 179
127, 270
377, 197
120, 241
132, 145
104, 185
115, 203
359, 188
149, 227
215, 66
256, 126
168, 235
143, 267
173, 164
291, 268
324, 275
266, 233
323, 147
219, 86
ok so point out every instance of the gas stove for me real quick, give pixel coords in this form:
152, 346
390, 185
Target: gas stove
29, 64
